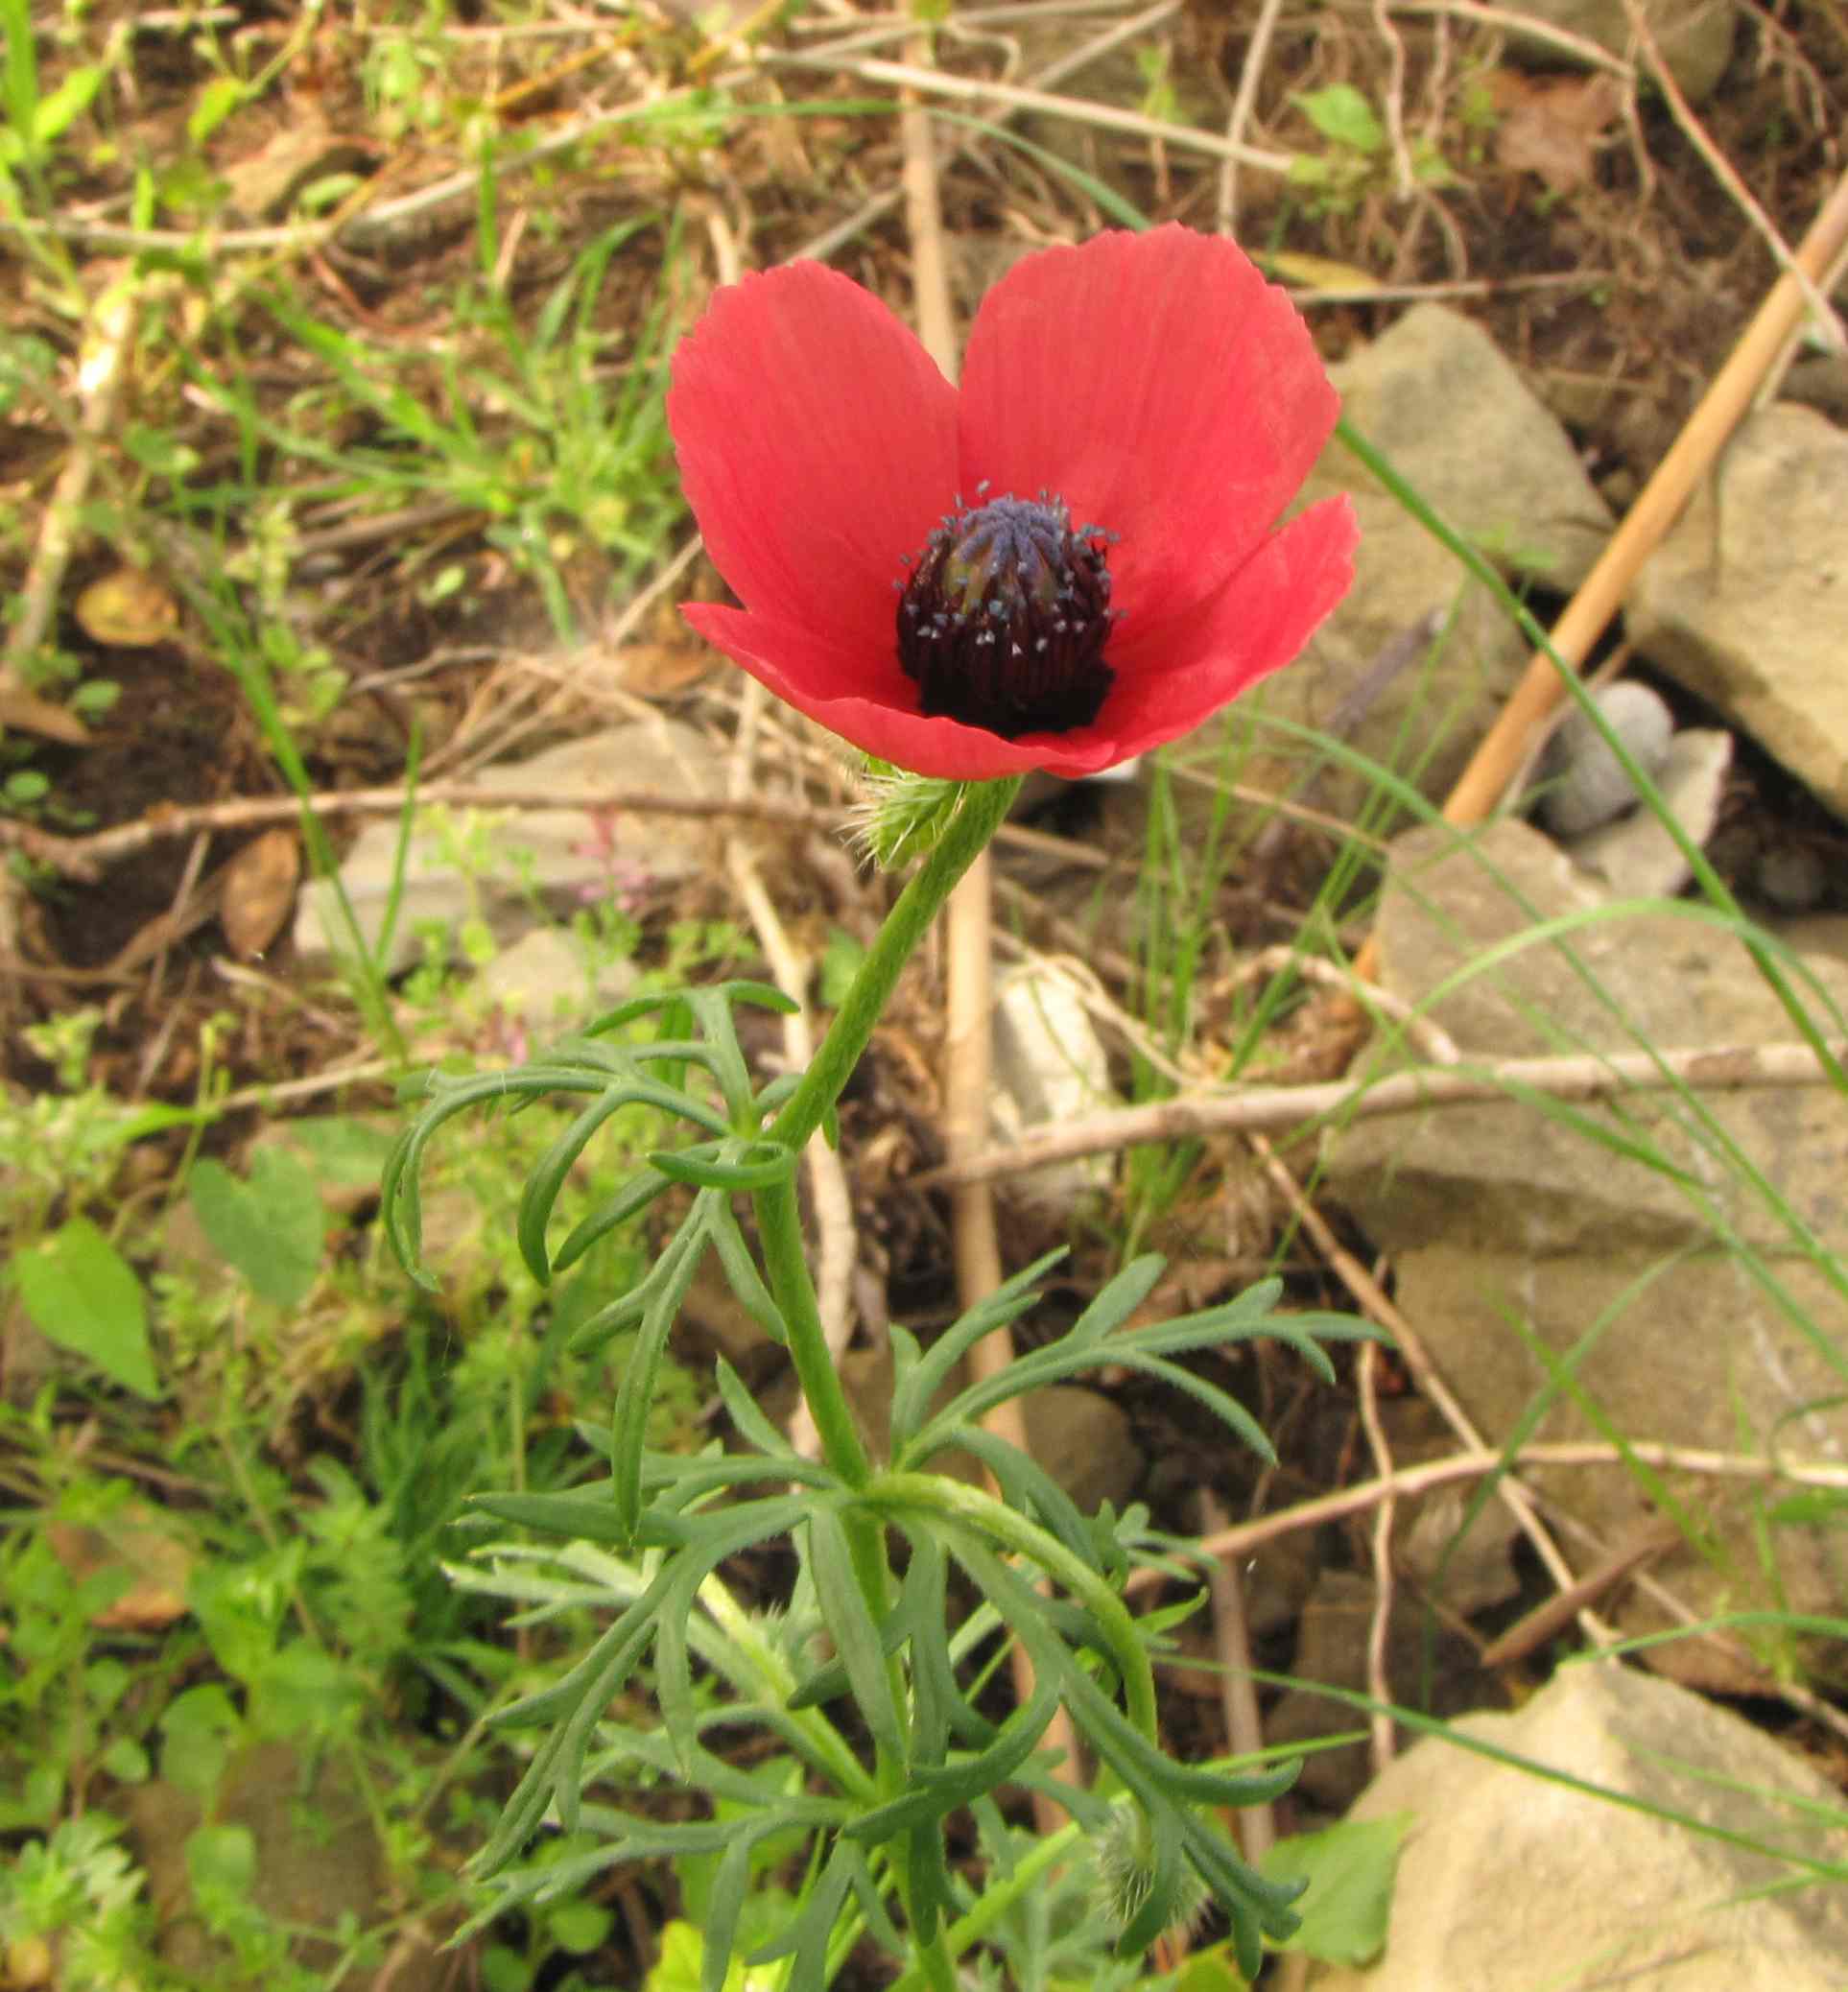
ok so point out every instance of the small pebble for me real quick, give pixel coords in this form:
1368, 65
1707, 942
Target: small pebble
1792, 878
1584, 783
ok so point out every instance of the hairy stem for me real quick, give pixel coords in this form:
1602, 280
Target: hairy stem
985, 805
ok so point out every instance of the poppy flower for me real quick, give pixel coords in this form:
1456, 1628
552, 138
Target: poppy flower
1062, 564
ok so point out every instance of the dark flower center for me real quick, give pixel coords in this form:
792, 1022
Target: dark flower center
1005, 618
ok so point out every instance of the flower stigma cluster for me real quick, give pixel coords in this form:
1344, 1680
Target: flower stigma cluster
1003, 621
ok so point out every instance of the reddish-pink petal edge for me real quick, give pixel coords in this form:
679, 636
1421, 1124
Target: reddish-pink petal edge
1160, 387
817, 442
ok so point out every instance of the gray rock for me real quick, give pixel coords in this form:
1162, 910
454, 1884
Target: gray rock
1695, 36
1082, 1439
1792, 877
1661, 1295
1086, 1442
1050, 1065
469, 865
1507, 1880
547, 982
1426, 1664
1746, 601
318, 1867
1584, 785
1455, 417
1636, 857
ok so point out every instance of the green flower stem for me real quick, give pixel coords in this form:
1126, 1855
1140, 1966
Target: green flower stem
1014, 1532
779, 1219
998, 1897
779, 1225
985, 804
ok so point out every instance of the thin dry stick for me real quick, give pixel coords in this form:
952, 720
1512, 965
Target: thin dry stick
1721, 168
1425, 1033
1408, 1483
969, 1025
823, 245
924, 219
1379, 1684
86, 858
1547, 1621
1593, 55
1080, 111
108, 338
1482, 783
362, 225
1256, 1824
1242, 105
1404, 180
1375, 1305
1590, 1076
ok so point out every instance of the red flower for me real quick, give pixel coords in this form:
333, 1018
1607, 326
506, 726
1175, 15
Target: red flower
1066, 562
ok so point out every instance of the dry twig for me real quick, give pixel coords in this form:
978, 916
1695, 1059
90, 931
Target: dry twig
1372, 1300
1589, 1076
1503, 748
1821, 311
969, 1024
1379, 1684
1242, 105
1256, 1824
1105, 117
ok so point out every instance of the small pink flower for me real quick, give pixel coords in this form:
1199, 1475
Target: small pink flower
1062, 564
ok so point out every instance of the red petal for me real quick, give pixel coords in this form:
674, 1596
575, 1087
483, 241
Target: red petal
1260, 620
879, 715
817, 442
1159, 387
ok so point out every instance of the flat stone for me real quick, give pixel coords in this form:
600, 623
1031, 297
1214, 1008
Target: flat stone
1417, 661
1745, 603
1636, 857
1695, 36
464, 864
1426, 1665
1507, 1880
547, 981
319, 1865
1086, 1442
1050, 1065
1508, 1226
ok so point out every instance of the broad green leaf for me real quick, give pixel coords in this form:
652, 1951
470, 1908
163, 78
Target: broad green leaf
840, 961
269, 1228
221, 1859
55, 114
1213, 1970
577, 1926
1349, 1869
216, 103
683, 1962
83, 1295
342, 1149
196, 1732
1340, 113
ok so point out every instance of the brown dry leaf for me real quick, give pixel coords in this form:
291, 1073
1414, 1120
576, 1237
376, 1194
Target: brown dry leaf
24, 711
1551, 126
1304, 272
661, 670
128, 611
259, 889
265, 185
136, 1539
